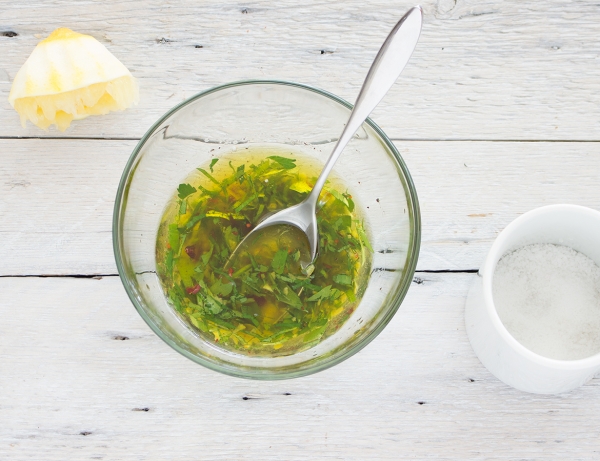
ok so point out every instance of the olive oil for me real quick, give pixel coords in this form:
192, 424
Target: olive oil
268, 299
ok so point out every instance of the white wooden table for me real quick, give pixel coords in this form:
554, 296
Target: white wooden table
497, 113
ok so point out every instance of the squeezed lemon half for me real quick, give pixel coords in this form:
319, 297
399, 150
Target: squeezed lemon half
67, 77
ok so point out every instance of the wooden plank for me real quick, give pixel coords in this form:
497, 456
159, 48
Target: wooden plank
482, 70
70, 390
470, 191
57, 197
56, 203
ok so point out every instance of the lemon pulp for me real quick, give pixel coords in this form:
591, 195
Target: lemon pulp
70, 76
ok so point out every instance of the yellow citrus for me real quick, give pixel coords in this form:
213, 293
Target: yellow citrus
69, 76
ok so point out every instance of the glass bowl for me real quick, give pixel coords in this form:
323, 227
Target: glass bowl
224, 120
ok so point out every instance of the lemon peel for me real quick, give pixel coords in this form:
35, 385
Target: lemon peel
70, 76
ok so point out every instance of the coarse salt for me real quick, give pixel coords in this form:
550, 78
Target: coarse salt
548, 298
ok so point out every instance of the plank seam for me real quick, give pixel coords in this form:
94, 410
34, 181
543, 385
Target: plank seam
75, 138
73, 276
99, 276
67, 138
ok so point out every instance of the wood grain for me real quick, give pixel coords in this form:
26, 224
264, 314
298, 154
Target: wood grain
81, 375
482, 70
57, 197
73, 388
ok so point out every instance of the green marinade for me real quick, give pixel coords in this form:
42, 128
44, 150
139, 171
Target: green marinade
268, 300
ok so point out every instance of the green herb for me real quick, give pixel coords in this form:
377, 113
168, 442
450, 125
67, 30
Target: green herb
348, 198
192, 222
286, 163
208, 175
288, 296
322, 294
268, 299
239, 173
279, 261
185, 190
343, 279
339, 197
174, 238
169, 262
245, 203
363, 236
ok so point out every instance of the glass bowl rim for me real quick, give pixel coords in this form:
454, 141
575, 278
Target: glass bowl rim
246, 372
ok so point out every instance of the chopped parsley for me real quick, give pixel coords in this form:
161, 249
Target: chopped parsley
269, 299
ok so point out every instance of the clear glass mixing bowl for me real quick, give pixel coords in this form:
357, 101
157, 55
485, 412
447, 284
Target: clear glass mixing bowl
223, 120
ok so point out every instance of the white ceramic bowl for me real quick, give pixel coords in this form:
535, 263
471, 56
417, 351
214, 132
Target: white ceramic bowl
569, 225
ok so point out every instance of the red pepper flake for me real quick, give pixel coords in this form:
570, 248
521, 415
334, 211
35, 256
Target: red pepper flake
168, 246
248, 225
193, 290
230, 271
191, 251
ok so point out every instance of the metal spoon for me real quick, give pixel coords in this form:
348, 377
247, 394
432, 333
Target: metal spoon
386, 68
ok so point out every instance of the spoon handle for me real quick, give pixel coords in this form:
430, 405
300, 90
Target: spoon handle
385, 70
